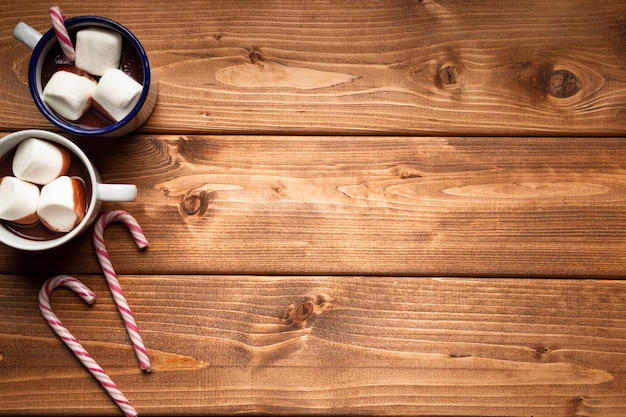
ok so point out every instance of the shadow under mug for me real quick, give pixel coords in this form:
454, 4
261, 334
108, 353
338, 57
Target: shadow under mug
99, 192
41, 45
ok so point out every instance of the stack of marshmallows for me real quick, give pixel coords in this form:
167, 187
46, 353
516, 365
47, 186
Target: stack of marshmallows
94, 79
40, 189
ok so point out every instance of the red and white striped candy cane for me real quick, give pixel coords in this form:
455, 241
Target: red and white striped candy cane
58, 24
114, 284
89, 297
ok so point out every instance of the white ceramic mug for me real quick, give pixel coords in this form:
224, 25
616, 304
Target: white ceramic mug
41, 45
97, 193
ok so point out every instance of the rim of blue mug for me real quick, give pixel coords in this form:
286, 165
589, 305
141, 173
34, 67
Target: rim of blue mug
68, 127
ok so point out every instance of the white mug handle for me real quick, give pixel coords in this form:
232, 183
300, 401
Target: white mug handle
116, 192
27, 35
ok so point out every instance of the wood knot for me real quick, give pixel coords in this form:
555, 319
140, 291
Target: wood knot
303, 311
559, 83
300, 314
194, 204
543, 350
409, 174
458, 356
448, 76
255, 57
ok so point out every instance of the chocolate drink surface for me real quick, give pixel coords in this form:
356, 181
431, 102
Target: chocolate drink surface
38, 231
130, 63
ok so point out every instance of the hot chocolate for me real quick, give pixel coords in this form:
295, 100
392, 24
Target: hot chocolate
37, 231
130, 64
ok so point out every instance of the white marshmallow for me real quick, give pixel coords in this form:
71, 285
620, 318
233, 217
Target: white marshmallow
18, 200
69, 94
98, 50
40, 161
62, 204
117, 93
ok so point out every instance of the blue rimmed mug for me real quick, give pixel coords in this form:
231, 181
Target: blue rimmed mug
41, 45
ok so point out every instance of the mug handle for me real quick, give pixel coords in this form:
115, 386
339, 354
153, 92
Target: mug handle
27, 35
117, 192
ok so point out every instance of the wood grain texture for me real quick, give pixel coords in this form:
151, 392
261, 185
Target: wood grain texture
361, 205
402, 66
385, 207
325, 345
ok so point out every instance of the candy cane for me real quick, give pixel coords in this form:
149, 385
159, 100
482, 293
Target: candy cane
58, 24
114, 284
89, 297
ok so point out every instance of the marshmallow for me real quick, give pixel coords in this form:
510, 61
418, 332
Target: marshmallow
18, 200
39, 161
117, 93
98, 50
62, 204
69, 94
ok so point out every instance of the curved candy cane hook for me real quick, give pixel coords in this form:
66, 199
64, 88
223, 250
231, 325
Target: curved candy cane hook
114, 284
89, 297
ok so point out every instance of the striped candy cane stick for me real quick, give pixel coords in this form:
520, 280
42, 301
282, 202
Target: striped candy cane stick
114, 284
58, 24
89, 297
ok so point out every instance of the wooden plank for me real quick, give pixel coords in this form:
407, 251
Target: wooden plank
324, 345
382, 66
360, 205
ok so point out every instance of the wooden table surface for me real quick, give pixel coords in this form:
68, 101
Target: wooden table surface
359, 207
